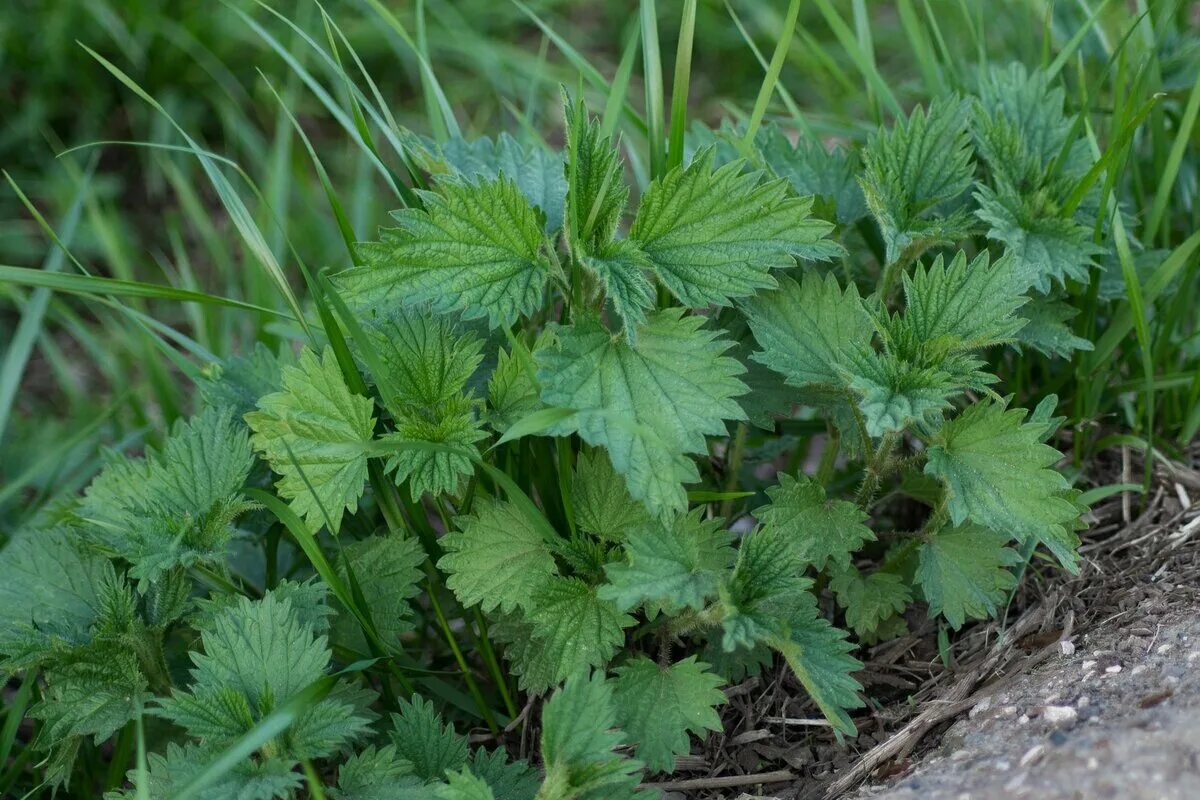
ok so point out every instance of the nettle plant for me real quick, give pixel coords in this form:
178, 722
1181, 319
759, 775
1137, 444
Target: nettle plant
481, 475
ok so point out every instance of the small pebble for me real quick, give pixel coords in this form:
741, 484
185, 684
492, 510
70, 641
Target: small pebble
1092, 763
1087, 665
1113, 670
1059, 715
1067, 647
1032, 755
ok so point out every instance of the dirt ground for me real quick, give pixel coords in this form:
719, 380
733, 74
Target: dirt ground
1117, 718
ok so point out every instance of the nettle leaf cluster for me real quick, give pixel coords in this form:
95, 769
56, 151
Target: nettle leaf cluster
529, 439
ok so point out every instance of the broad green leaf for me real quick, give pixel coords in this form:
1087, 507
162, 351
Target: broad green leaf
257, 655
674, 565
513, 391
239, 381
463, 786
716, 235
819, 655
600, 500
649, 405
426, 742
1047, 249
377, 773
964, 572
822, 531
573, 628
973, 303
537, 171
807, 330
50, 590
451, 426
175, 508
168, 774
658, 707
428, 359
497, 558
758, 594
579, 737
1046, 328
999, 474
509, 780
388, 572
314, 434
870, 600
813, 170
476, 247
892, 392
909, 171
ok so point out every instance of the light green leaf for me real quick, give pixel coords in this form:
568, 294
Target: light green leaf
658, 707
497, 559
578, 743
870, 600
674, 565
649, 405
513, 391
601, 502
715, 235
436, 470
463, 786
1000, 475
964, 572
822, 531
819, 655
909, 171
596, 189
807, 330
973, 303
893, 392
314, 433
477, 248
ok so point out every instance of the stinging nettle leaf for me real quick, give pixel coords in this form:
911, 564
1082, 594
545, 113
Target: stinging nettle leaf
314, 434
921, 163
596, 189
813, 170
648, 405
658, 707
477, 248
999, 474
601, 502
497, 558
716, 235
964, 572
674, 565
808, 329
973, 303
822, 531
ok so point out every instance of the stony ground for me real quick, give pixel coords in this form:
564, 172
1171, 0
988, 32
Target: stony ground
1119, 717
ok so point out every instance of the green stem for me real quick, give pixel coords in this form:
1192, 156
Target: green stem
875, 470
472, 686
733, 465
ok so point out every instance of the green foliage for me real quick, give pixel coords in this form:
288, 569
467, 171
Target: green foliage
313, 434
649, 404
476, 247
714, 235
547, 381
